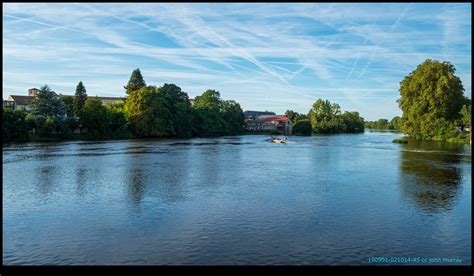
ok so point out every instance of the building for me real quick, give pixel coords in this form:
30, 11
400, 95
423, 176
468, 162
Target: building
19, 101
269, 123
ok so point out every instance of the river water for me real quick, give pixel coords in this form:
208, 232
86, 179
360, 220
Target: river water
319, 200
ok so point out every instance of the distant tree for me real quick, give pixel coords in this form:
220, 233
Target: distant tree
80, 98
177, 103
233, 116
47, 103
93, 117
430, 97
69, 104
324, 117
136, 82
302, 127
208, 118
117, 122
353, 123
147, 113
292, 115
14, 125
395, 123
300, 117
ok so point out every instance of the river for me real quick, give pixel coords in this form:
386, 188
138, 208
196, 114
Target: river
320, 200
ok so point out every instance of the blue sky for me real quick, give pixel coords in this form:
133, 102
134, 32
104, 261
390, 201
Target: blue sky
265, 56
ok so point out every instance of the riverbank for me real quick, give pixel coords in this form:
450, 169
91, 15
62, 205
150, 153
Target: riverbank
82, 137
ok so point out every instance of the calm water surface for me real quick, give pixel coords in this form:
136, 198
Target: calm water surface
236, 200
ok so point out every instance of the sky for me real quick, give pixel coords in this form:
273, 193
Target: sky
265, 56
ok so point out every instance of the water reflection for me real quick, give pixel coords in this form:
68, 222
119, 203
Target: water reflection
431, 174
134, 173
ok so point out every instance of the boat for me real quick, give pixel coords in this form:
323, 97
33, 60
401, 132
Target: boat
278, 140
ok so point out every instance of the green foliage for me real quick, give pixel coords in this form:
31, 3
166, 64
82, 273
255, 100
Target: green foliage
93, 117
68, 103
14, 125
80, 98
47, 103
135, 83
177, 103
431, 98
290, 114
394, 123
353, 123
302, 127
295, 116
300, 117
233, 117
214, 116
147, 113
465, 115
117, 126
384, 124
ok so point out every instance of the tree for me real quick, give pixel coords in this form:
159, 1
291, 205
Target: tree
68, 103
292, 115
324, 117
79, 98
93, 117
47, 103
395, 123
353, 123
431, 96
147, 113
14, 125
177, 103
117, 122
136, 82
233, 116
302, 127
466, 115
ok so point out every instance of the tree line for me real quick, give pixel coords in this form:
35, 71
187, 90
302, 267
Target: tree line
148, 111
384, 124
325, 118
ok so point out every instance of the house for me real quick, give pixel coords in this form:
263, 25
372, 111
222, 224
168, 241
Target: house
269, 123
19, 102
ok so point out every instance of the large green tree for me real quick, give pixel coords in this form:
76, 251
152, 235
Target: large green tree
431, 98
47, 103
136, 82
147, 113
80, 98
177, 103
233, 116
208, 120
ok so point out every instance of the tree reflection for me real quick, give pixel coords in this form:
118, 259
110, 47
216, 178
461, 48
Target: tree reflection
135, 175
136, 187
431, 176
